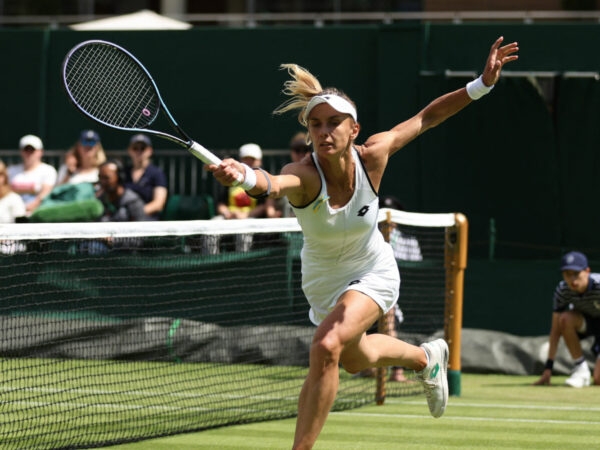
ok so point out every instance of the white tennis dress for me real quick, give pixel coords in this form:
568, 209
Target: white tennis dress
343, 249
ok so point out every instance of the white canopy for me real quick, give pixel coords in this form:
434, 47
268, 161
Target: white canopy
141, 20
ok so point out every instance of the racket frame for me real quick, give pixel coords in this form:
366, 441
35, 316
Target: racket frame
192, 146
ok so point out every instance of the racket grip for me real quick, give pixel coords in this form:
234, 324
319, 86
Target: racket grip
204, 155
208, 157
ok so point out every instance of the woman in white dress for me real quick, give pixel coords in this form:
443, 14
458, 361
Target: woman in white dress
349, 274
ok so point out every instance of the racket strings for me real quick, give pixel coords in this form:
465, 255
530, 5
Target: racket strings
109, 85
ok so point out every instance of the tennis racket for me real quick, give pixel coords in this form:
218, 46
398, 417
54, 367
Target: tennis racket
111, 86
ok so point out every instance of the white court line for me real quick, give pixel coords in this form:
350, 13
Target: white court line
467, 418
505, 406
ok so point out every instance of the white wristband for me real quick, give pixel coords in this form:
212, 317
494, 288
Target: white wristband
477, 88
249, 178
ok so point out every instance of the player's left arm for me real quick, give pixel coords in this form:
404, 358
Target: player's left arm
451, 103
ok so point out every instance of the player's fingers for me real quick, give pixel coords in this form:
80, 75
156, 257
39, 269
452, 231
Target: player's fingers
508, 49
497, 43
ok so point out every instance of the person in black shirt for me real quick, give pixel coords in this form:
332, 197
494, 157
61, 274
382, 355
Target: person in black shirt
144, 178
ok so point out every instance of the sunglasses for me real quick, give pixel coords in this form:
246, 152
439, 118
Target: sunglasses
301, 148
28, 149
139, 147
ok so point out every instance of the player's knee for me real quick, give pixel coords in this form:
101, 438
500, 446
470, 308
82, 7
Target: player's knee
326, 349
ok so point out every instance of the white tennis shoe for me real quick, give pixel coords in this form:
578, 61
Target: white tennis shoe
580, 376
434, 377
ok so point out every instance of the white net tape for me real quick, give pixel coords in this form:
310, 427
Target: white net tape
93, 230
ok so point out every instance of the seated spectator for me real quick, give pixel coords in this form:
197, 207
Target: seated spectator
32, 179
236, 203
12, 206
144, 178
120, 203
68, 167
89, 154
299, 148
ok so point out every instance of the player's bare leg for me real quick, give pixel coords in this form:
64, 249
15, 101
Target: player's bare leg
341, 338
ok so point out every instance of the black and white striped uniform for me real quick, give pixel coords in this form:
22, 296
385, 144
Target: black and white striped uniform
588, 304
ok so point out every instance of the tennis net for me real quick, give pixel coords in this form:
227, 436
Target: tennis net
117, 332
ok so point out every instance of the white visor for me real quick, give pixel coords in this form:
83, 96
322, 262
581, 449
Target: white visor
338, 103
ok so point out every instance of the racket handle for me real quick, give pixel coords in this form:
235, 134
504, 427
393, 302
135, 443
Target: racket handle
204, 155
208, 157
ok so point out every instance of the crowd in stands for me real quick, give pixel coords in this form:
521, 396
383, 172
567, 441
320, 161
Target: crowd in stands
87, 186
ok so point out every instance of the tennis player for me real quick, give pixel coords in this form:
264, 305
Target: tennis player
349, 274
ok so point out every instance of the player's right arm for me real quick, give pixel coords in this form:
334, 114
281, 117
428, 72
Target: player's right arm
299, 181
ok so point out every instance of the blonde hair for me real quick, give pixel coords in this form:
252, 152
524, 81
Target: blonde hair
302, 88
100, 154
5, 187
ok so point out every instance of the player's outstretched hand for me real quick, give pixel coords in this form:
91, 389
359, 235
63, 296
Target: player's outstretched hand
227, 173
497, 58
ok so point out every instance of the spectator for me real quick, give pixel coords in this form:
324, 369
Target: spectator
68, 168
120, 203
235, 203
299, 147
575, 315
89, 154
32, 179
406, 247
144, 178
12, 206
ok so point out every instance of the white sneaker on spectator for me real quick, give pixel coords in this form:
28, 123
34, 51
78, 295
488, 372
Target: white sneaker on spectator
580, 376
434, 377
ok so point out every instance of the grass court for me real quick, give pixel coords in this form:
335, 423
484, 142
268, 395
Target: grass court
493, 411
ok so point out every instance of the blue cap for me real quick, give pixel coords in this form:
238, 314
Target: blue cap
89, 138
140, 138
574, 261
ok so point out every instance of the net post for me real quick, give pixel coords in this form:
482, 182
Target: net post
456, 263
383, 325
